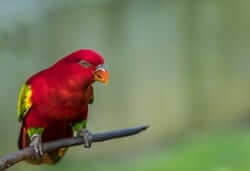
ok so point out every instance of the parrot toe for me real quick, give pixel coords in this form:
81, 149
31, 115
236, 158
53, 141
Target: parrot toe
87, 136
36, 143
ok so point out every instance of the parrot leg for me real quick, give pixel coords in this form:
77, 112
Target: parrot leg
87, 136
36, 143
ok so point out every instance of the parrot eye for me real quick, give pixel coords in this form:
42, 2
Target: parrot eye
84, 63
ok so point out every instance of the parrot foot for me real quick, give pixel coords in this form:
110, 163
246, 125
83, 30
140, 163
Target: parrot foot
87, 136
36, 143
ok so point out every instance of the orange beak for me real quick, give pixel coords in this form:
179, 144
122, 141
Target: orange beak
101, 74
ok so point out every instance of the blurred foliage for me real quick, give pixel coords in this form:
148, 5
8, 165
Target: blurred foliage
180, 66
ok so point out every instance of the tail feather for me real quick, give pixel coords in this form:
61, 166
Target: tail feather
54, 156
23, 140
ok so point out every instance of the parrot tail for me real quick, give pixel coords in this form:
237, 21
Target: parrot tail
48, 158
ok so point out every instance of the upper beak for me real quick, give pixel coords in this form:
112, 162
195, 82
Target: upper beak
101, 74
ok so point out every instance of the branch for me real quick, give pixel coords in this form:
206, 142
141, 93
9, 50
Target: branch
13, 158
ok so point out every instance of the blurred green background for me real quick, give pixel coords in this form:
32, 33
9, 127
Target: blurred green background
181, 66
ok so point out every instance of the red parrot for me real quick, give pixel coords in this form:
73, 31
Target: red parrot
53, 103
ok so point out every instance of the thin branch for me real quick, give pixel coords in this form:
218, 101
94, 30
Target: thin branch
13, 158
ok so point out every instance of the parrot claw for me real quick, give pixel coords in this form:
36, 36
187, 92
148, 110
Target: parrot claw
87, 136
36, 143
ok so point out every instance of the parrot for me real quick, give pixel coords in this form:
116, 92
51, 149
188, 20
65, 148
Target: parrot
53, 103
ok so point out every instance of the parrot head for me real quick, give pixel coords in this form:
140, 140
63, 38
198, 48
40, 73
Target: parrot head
89, 64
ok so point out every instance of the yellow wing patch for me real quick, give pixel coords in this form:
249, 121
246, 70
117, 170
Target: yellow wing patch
24, 101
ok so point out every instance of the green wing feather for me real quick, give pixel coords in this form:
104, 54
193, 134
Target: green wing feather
90, 93
24, 101
91, 100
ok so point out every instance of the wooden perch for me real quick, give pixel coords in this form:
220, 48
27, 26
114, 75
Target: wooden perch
13, 158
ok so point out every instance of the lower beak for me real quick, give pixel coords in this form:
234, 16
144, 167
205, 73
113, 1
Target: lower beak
101, 75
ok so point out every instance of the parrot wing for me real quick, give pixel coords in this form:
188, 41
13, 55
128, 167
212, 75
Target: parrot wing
24, 101
90, 94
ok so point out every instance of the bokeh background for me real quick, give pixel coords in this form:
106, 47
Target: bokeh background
180, 66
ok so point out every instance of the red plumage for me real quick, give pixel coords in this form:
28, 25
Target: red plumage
60, 96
